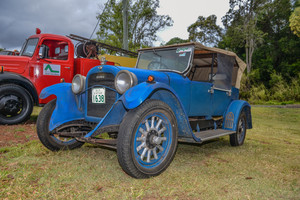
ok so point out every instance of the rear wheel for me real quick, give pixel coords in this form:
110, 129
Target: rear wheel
16, 104
147, 139
49, 139
238, 138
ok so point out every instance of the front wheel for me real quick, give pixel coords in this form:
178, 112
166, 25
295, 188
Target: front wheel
52, 140
147, 139
16, 104
238, 138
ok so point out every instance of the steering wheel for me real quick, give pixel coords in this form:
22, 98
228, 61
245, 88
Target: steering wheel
154, 65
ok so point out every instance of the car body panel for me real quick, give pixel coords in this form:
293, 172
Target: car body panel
63, 112
233, 112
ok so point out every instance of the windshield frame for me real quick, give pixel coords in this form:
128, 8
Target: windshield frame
24, 47
169, 48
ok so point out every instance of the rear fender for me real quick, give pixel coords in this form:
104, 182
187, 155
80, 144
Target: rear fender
233, 112
137, 95
66, 104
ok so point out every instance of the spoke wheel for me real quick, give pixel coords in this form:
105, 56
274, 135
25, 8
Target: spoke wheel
147, 139
238, 138
16, 104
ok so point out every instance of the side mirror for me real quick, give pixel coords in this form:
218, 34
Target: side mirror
43, 51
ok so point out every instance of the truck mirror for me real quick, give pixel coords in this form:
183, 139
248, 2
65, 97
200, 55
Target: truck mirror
43, 52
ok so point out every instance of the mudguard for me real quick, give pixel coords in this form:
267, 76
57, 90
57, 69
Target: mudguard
233, 112
135, 96
160, 91
66, 107
13, 78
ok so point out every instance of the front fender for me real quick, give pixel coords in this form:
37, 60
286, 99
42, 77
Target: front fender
161, 91
233, 112
66, 107
135, 96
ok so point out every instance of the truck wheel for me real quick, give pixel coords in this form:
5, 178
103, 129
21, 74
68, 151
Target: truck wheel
16, 104
51, 140
237, 139
147, 139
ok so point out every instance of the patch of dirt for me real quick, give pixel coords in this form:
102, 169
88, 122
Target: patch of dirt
11, 135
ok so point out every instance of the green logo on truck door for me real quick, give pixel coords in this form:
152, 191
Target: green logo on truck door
51, 70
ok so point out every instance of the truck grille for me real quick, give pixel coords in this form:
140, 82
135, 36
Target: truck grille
100, 109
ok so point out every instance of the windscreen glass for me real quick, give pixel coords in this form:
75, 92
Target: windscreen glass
29, 47
165, 59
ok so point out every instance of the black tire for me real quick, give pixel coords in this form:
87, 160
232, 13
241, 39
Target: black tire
160, 139
50, 140
238, 138
16, 104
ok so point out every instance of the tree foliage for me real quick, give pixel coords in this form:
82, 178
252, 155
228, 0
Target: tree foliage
295, 20
176, 40
205, 30
241, 21
275, 54
143, 23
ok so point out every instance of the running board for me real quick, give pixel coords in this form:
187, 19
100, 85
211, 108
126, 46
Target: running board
212, 134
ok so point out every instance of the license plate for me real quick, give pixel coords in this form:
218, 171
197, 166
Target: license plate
98, 95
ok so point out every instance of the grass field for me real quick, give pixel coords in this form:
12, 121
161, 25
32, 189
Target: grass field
267, 166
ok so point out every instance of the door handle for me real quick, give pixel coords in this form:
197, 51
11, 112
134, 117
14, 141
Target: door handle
67, 67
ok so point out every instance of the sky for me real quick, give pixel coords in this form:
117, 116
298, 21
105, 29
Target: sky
19, 18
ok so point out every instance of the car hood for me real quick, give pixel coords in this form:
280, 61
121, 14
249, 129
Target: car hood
15, 64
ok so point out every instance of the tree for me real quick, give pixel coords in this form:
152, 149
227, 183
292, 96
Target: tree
295, 20
205, 30
242, 19
143, 23
176, 40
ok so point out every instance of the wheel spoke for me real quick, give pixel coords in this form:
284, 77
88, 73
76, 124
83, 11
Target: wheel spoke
143, 131
154, 153
160, 147
152, 121
162, 130
144, 153
140, 147
147, 125
148, 155
163, 138
158, 124
140, 139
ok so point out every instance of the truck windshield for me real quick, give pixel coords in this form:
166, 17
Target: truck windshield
29, 47
165, 59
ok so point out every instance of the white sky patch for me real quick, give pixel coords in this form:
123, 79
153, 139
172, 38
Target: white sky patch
186, 12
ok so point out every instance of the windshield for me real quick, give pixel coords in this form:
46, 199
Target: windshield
167, 59
29, 47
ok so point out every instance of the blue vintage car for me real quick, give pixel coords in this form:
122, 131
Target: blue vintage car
186, 92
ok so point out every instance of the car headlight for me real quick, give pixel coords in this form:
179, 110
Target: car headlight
78, 83
125, 80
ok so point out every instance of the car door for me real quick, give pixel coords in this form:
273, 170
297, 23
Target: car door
53, 64
222, 84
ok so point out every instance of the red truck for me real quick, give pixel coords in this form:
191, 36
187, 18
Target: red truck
45, 59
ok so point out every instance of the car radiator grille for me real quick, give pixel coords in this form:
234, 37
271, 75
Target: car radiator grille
100, 109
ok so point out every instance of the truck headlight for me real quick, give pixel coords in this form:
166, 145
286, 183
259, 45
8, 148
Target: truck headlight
78, 83
125, 80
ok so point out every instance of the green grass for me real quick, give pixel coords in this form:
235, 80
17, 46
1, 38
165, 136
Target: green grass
267, 166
